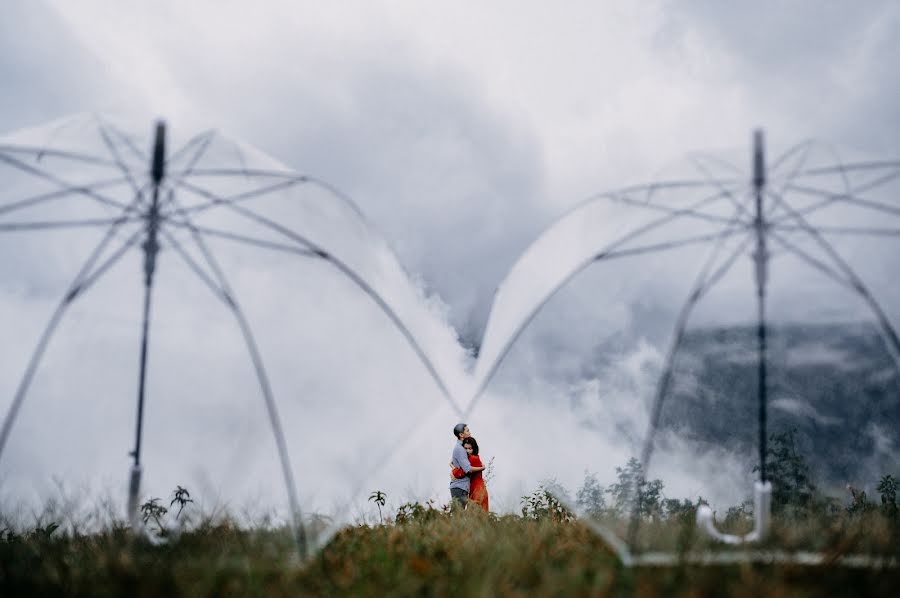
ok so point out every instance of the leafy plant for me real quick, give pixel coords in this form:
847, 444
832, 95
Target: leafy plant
859, 503
182, 497
739, 517
543, 504
887, 486
416, 511
488, 474
153, 510
379, 498
45, 531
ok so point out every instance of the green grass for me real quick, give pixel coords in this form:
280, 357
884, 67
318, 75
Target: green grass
439, 554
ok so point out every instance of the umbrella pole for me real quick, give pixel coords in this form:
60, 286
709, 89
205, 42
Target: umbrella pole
151, 249
761, 259
762, 489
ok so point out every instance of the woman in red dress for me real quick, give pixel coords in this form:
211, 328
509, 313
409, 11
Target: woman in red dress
477, 490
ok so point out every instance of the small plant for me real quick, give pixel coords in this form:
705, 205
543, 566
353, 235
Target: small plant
543, 504
182, 497
153, 510
416, 511
44, 532
859, 503
888, 489
9, 536
488, 474
379, 498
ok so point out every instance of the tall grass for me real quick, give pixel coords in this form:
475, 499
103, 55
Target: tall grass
432, 553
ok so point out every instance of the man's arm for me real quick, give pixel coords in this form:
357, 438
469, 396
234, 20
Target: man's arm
461, 458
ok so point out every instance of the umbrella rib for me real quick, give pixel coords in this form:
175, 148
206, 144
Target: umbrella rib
231, 172
711, 158
224, 234
57, 181
715, 182
194, 266
805, 210
892, 341
40, 153
347, 271
57, 224
845, 230
141, 155
78, 286
205, 141
793, 175
292, 176
216, 201
224, 292
58, 194
875, 165
204, 137
702, 284
204, 145
806, 145
672, 215
812, 261
844, 197
680, 212
670, 244
879, 181
117, 158
241, 159
649, 188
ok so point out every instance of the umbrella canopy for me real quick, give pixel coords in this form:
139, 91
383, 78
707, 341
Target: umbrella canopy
81, 195
749, 279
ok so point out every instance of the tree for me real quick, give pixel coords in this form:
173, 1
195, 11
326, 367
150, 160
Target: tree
633, 490
683, 510
792, 490
590, 499
888, 489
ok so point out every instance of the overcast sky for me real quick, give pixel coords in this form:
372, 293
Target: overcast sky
461, 131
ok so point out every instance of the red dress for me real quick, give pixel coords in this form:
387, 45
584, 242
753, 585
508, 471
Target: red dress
477, 490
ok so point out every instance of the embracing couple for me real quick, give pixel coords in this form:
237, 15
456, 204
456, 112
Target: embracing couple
466, 482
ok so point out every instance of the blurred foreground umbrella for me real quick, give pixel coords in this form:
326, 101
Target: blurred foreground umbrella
831, 219
86, 173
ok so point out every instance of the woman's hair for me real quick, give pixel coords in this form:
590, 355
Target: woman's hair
471, 441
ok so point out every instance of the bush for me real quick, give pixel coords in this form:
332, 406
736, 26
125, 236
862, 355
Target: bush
544, 504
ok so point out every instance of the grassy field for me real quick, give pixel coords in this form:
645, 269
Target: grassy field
437, 554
